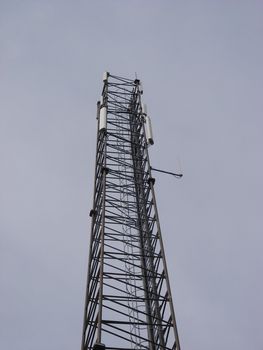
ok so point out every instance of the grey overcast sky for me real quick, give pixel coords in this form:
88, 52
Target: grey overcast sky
201, 63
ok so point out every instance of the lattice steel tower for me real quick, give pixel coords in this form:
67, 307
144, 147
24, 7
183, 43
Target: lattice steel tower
128, 298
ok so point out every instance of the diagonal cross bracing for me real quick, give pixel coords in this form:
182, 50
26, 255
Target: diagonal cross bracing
128, 298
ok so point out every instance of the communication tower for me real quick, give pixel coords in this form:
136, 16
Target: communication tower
128, 297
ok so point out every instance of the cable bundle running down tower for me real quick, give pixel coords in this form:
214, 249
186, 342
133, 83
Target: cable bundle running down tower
128, 298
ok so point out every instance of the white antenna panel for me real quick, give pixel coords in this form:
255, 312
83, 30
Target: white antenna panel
105, 76
141, 88
144, 109
148, 129
103, 119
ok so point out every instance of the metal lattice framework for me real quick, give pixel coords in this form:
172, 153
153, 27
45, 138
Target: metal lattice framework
128, 298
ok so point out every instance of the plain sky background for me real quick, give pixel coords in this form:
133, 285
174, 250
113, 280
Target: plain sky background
201, 63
